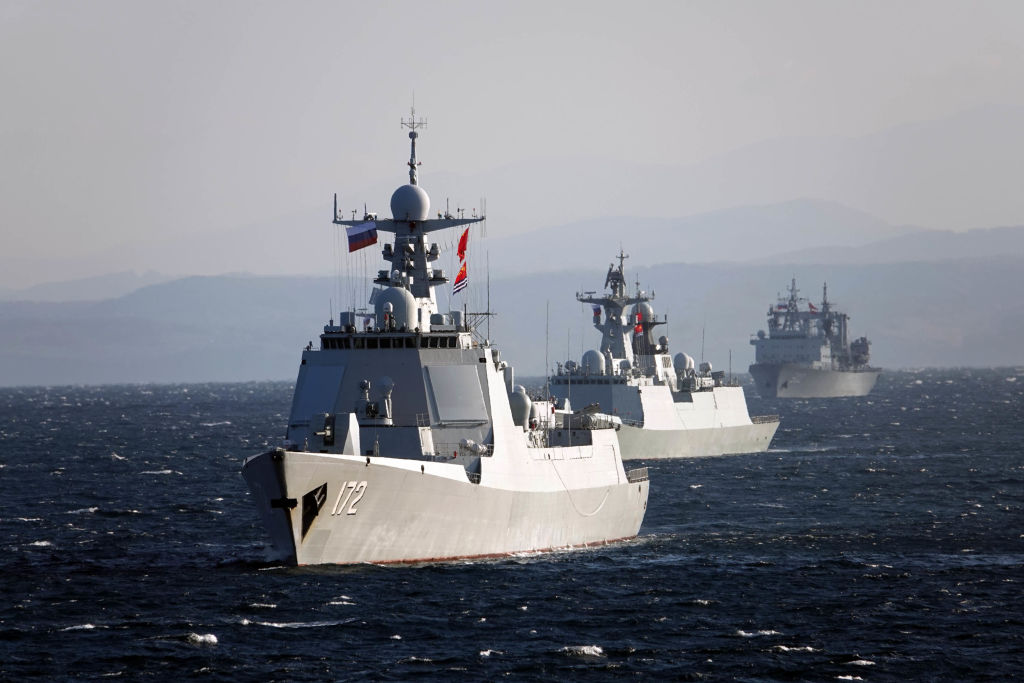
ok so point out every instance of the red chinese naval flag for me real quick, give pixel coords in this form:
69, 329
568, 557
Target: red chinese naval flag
814, 309
463, 241
461, 281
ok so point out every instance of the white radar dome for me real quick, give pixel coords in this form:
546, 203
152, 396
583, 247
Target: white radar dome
410, 203
682, 362
403, 308
593, 363
645, 310
520, 404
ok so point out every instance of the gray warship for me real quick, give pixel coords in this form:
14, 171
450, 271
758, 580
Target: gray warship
669, 408
808, 354
409, 441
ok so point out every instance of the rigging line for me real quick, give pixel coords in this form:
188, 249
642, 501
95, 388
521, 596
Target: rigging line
575, 507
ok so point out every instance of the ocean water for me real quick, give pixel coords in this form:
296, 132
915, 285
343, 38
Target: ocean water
880, 539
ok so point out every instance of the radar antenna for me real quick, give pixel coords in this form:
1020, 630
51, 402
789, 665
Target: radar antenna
413, 124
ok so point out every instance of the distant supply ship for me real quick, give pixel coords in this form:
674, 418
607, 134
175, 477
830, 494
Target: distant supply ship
668, 408
807, 354
408, 440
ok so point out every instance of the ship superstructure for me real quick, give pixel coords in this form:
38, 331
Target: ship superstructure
669, 407
408, 439
807, 352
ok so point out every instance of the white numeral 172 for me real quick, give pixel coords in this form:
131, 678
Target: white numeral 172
353, 490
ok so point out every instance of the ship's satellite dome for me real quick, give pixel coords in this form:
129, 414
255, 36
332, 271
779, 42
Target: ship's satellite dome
682, 362
403, 307
645, 310
410, 203
520, 404
593, 362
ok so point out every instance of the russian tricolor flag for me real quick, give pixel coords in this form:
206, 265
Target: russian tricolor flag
362, 235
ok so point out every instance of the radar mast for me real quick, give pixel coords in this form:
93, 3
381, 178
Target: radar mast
413, 124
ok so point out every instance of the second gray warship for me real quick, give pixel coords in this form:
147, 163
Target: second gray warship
408, 439
807, 354
669, 408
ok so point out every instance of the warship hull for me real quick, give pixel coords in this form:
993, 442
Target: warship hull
346, 509
660, 424
798, 381
639, 443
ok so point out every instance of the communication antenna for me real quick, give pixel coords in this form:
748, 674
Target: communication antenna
547, 367
488, 293
413, 124
702, 341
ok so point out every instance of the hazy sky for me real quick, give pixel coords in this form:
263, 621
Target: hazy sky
128, 123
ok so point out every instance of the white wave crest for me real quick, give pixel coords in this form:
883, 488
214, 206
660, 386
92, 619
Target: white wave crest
80, 627
158, 472
300, 624
202, 638
488, 653
861, 662
583, 650
82, 511
41, 544
805, 648
754, 634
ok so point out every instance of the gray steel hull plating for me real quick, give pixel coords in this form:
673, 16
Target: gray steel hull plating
384, 512
797, 381
638, 443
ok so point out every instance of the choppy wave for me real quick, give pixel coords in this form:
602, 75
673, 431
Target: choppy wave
82, 627
768, 564
297, 624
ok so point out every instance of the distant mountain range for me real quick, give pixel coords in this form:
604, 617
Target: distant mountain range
799, 232
955, 173
232, 328
87, 289
741, 234
926, 245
